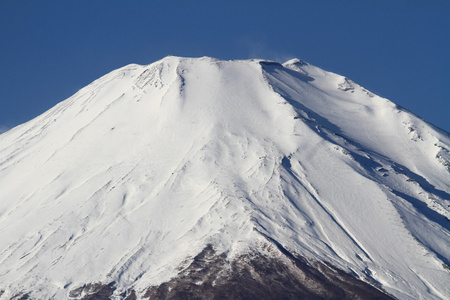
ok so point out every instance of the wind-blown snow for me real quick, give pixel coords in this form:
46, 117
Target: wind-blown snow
143, 168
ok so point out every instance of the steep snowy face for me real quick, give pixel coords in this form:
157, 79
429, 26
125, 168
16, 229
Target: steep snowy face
138, 172
369, 121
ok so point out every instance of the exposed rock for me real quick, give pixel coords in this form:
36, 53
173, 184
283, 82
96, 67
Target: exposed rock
260, 276
93, 291
20, 297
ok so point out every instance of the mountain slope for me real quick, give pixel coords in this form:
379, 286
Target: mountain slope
134, 176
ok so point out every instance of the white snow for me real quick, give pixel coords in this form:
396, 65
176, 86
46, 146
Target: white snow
141, 169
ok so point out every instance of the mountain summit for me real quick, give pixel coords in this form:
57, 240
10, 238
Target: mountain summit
203, 178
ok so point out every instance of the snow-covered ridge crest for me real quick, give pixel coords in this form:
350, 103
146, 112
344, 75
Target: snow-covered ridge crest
136, 174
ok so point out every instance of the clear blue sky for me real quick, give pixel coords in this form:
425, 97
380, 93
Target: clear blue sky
397, 49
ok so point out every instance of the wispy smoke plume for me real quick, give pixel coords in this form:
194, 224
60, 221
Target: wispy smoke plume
258, 49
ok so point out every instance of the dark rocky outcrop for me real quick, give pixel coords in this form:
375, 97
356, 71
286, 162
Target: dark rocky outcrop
261, 276
20, 297
93, 291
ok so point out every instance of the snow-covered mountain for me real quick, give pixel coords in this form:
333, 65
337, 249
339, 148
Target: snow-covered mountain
201, 177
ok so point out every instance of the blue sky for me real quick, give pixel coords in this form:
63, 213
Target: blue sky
397, 49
